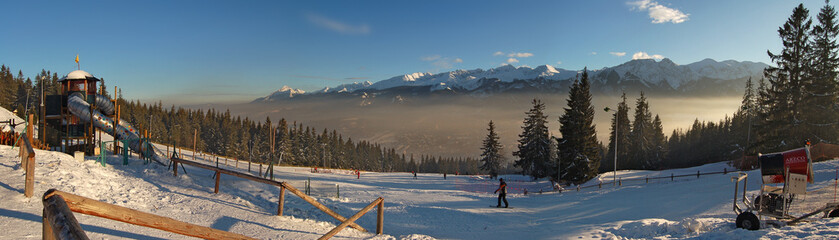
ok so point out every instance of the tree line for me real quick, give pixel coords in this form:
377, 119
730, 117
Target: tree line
796, 102
223, 134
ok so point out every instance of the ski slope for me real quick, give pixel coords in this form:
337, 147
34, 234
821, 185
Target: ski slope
428, 207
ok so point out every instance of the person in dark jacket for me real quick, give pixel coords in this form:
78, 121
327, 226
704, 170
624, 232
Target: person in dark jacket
503, 195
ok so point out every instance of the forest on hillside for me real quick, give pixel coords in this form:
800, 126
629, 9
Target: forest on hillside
241, 138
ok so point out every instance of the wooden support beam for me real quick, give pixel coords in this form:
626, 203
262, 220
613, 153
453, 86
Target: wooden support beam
290, 188
92, 207
352, 219
321, 206
281, 202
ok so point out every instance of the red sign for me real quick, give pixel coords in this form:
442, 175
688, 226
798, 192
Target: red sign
774, 165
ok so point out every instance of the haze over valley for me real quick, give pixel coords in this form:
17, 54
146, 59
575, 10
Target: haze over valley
447, 113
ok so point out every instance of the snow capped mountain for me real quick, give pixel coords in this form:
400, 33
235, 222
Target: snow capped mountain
729, 69
468, 79
349, 87
649, 75
284, 93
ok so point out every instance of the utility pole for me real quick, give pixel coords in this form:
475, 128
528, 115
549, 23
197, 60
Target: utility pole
617, 119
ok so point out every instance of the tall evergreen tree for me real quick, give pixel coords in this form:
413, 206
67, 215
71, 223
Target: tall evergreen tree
782, 124
491, 157
534, 143
659, 151
821, 116
579, 151
622, 133
641, 146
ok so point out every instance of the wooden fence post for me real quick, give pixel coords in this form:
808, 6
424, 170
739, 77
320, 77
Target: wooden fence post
380, 218
29, 184
46, 227
281, 202
194, 142
218, 176
57, 215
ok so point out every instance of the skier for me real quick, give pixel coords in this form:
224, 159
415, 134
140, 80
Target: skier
415, 174
503, 195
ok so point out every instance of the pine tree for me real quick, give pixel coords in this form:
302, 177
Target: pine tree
821, 114
622, 131
578, 151
491, 156
659, 152
641, 145
782, 123
534, 143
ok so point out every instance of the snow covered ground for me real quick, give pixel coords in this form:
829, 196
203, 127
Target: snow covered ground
428, 207
6, 115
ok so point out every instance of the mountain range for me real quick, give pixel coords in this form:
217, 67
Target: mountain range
663, 77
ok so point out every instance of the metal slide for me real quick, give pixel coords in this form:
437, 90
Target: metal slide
124, 131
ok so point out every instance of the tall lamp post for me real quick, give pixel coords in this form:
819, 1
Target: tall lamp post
615, 172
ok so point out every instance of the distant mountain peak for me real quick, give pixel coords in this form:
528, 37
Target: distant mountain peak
653, 74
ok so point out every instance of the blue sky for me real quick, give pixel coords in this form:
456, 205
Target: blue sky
186, 52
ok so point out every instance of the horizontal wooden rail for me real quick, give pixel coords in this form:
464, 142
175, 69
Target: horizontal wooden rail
284, 185
92, 207
377, 202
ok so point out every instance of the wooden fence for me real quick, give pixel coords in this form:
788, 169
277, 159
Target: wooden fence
285, 186
620, 182
59, 223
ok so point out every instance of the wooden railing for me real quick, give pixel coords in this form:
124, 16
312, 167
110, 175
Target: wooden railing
285, 186
59, 222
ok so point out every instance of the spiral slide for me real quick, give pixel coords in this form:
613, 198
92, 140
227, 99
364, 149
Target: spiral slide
124, 131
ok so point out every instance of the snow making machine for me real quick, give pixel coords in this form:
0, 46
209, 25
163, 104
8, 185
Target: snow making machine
793, 169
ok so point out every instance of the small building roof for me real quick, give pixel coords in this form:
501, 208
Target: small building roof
78, 75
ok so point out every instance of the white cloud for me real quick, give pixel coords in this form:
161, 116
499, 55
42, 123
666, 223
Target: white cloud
659, 13
499, 53
512, 60
441, 62
593, 53
619, 54
520, 55
558, 62
337, 26
430, 58
644, 55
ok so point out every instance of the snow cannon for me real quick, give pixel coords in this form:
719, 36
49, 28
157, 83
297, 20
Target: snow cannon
793, 169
